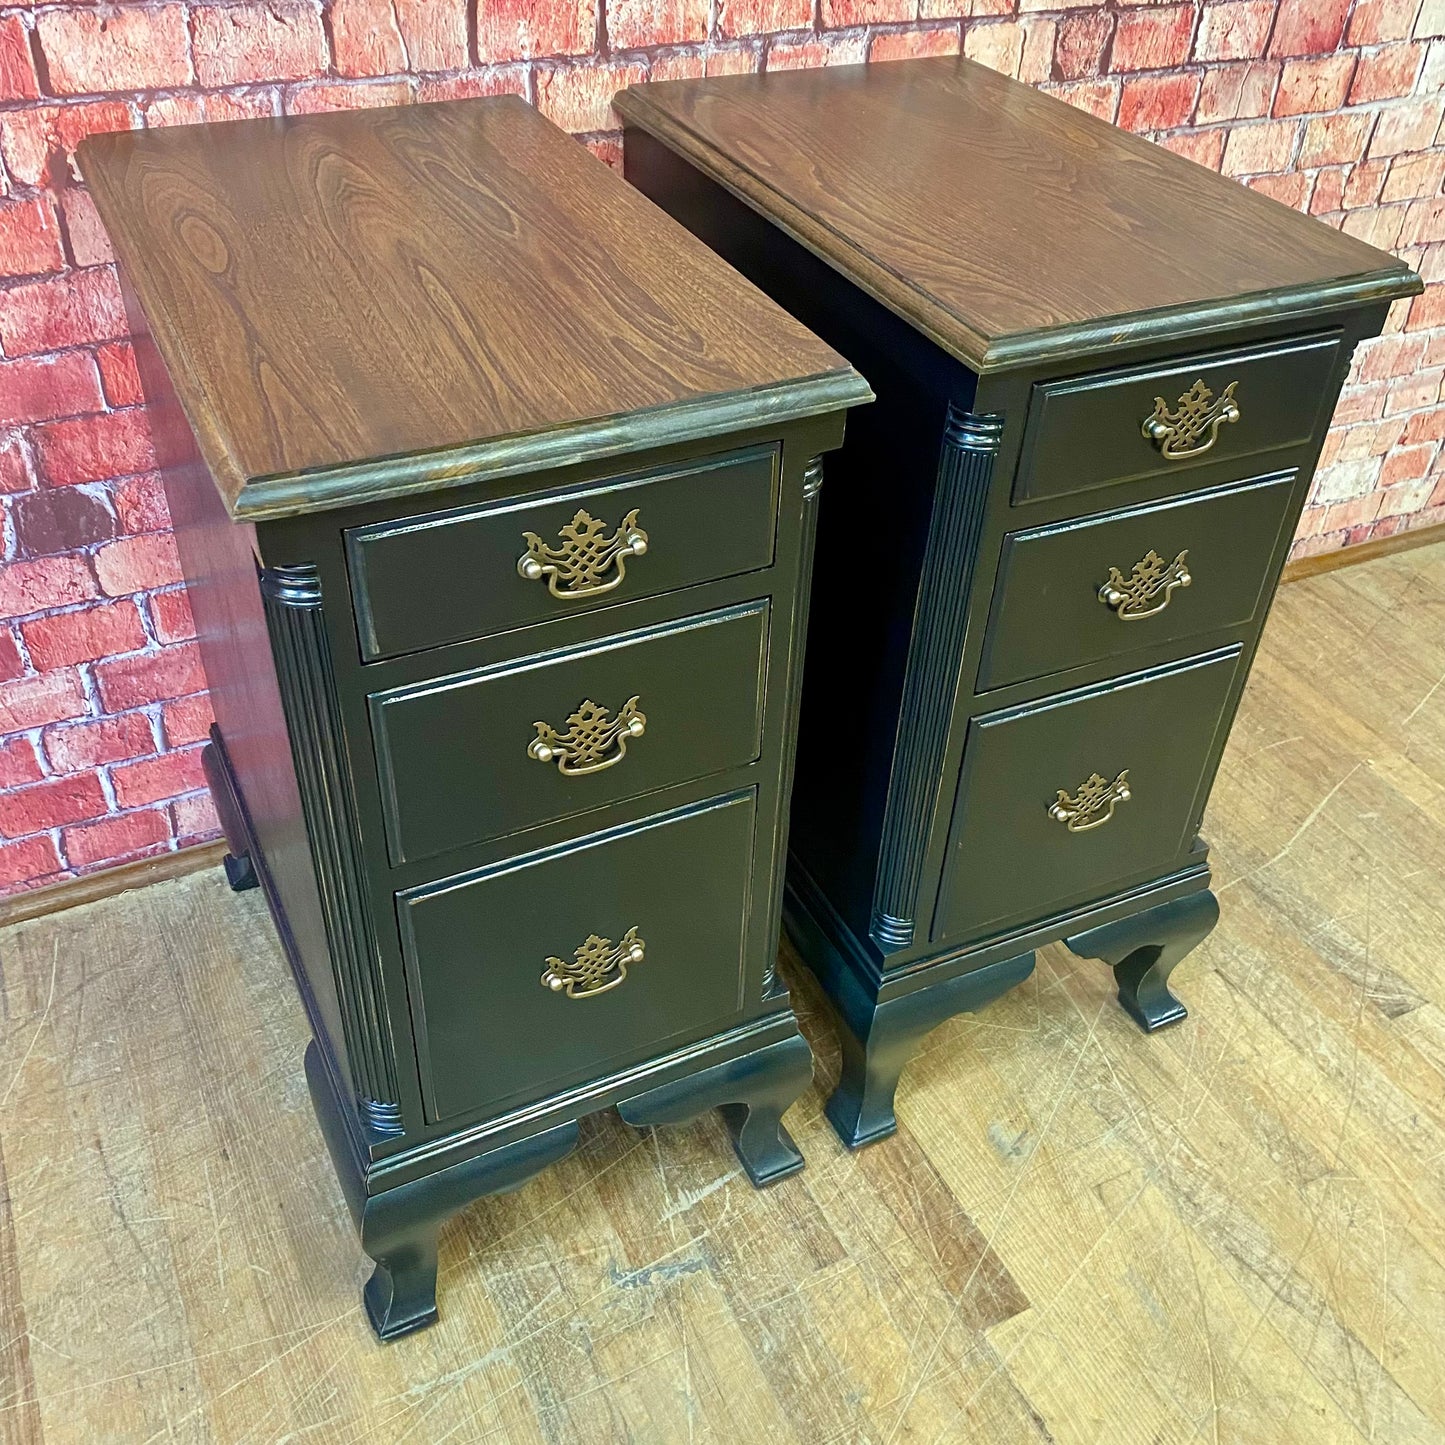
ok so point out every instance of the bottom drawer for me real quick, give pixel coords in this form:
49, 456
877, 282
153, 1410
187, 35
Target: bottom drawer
1041, 818
553, 968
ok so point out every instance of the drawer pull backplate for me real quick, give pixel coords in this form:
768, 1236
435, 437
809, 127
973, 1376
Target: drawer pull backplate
595, 967
1148, 588
1093, 805
1181, 433
594, 739
579, 567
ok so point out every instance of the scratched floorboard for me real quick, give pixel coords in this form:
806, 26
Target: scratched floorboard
1232, 1232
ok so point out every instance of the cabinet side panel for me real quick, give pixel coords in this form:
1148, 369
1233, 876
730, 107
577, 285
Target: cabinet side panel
220, 568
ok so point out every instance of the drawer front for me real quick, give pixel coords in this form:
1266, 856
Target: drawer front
482, 754
555, 968
1037, 821
421, 582
1109, 585
1090, 431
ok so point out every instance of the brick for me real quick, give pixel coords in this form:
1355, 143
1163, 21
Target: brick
118, 839
89, 244
93, 448
243, 105
1377, 225
15, 472
1387, 73
1407, 127
1359, 403
1425, 426
1312, 85
156, 779
127, 682
1344, 515
138, 564
1234, 31
999, 44
76, 746
1407, 497
46, 582
1082, 40
1237, 92
1335, 139
909, 44
1203, 147
1260, 147
1431, 20
17, 64
1390, 356
11, 663
1363, 186
30, 861
352, 95
29, 237
60, 519
236, 44
436, 33
1428, 309
140, 504
787, 55
118, 375
19, 763
366, 37
41, 388
1292, 190
1308, 27
66, 638
91, 51
579, 97
523, 29
1152, 39
1414, 177
31, 702
1373, 22
194, 818
1415, 392
38, 145
67, 310
1098, 97
1407, 464
1346, 479
49, 804
171, 616
163, 110
632, 24
187, 720
1157, 102
1424, 223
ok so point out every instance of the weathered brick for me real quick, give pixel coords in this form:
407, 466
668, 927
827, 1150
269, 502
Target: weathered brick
1363, 186
1390, 356
194, 818
237, 44
1312, 85
1359, 403
171, 616
155, 779
89, 244
1244, 91
38, 144
94, 448
366, 37
118, 375
65, 638
632, 24
523, 29
1098, 97
11, 663
67, 310
1415, 392
1424, 223
117, 839
1260, 147
187, 720
70, 747
41, 388
59, 519
1152, 39
352, 95
29, 237
1082, 40
45, 582
579, 97
31, 702
48, 804
1425, 426
138, 564
1387, 73
1428, 309
1040, 37
1157, 102
496, 80
1236, 31
1431, 20
88, 51
1407, 464
17, 65
1414, 177
32, 860
1373, 22
15, 471
1308, 27
1335, 139
147, 677
19, 763
1377, 225
1203, 147
1408, 127
787, 55
1292, 190
998, 44
140, 504
909, 44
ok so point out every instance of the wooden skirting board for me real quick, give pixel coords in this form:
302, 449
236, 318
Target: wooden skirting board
1363, 552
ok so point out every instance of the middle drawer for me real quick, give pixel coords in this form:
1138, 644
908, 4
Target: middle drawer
488, 752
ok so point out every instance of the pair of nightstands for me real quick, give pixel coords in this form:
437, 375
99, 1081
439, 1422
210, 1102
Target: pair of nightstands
497, 493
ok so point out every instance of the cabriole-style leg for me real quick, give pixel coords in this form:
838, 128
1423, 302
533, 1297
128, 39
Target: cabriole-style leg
752, 1091
1145, 949
860, 1109
401, 1295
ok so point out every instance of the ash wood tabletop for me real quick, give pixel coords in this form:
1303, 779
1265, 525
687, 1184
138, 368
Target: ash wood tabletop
332, 290
1001, 222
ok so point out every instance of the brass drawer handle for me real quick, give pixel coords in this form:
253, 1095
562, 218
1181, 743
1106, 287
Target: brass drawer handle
595, 967
1147, 589
1093, 805
594, 739
579, 567
1177, 433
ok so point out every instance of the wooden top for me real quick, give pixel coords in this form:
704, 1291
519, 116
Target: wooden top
1001, 222
460, 281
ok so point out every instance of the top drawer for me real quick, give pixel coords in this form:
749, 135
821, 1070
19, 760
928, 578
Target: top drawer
421, 582
1123, 426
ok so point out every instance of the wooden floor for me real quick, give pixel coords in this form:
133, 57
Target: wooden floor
1234, 1231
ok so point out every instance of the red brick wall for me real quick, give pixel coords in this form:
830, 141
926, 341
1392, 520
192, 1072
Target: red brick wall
1333, 106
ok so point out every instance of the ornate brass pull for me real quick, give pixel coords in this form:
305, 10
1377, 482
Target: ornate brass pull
1093, 805
595, 967
579, 567
1148, 588
594, 739
1177, 433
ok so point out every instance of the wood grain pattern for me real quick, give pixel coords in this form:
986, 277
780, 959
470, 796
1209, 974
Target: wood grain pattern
1227, 1232
332, 290
1001, 222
